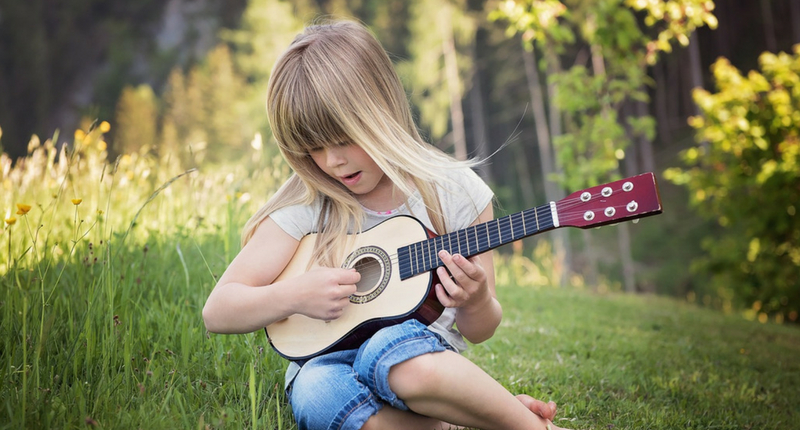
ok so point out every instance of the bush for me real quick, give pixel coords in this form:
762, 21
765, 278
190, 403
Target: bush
745, 174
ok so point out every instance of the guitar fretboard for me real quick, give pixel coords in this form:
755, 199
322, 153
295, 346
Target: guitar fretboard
421, 257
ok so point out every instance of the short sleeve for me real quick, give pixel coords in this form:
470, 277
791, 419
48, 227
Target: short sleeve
465, 198
297, 221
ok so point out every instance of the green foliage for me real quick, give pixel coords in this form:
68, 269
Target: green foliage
204, 117
137, 112
745, 174
266, 30
432, 24
675, 20
620, 50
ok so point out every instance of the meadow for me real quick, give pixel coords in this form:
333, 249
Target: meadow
106, 267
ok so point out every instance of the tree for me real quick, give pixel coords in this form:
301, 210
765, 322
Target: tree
611, 53
266, 30
437, 69
136, 115
747, 178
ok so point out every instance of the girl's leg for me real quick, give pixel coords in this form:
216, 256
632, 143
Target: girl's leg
448, 386
389, 418
326, 393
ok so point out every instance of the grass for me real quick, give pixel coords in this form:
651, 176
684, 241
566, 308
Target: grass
644, 362
100, 323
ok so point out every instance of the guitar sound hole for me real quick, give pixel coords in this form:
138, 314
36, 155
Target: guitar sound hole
371, 274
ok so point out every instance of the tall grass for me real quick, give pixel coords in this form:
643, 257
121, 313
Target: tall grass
103, 280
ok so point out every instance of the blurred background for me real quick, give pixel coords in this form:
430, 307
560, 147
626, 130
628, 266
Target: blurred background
559, 95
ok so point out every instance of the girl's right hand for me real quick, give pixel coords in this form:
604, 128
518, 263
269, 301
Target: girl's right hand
324, 293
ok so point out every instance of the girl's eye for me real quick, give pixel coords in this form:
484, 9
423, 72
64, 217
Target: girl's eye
315, 150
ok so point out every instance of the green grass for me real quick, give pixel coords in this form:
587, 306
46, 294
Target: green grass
644, 362
100, 318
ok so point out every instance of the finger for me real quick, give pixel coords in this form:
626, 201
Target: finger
470, 267
449, 284
445, 299
349, 276
449, 261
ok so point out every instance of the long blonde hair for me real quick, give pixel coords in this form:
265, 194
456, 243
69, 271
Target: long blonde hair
336, 83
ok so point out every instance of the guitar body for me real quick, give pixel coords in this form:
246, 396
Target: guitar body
382, 298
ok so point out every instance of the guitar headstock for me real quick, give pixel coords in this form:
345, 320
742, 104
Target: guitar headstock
626, 199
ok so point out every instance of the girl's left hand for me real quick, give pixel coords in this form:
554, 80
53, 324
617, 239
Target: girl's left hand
465, 286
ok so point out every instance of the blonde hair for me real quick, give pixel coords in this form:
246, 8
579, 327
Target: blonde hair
335, 83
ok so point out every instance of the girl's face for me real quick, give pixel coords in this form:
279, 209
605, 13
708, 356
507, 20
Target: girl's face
355, 169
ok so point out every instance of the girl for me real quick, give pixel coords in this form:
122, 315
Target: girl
342, 121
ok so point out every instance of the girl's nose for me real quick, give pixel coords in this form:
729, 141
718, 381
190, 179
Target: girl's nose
334, 157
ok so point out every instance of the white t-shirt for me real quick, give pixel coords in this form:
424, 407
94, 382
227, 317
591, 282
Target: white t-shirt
462, 201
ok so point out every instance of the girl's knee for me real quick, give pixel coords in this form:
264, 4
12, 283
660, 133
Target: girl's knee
416, 376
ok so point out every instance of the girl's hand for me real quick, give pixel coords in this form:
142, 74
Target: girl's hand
468, 286
324, 293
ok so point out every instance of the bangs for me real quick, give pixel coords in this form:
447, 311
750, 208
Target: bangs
307, 119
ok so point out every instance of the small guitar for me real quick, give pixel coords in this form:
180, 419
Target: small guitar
397, 258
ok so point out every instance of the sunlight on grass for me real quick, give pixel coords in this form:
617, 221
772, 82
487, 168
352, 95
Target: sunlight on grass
104, 271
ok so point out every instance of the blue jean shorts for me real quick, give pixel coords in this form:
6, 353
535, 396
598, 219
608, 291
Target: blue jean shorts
342, 389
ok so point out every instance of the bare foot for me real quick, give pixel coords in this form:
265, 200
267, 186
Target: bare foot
545, 410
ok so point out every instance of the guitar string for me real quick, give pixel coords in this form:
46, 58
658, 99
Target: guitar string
564, 213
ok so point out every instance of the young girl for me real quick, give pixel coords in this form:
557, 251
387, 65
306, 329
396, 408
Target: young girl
342, 120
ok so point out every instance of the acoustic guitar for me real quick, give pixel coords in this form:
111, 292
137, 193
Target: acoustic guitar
398, 257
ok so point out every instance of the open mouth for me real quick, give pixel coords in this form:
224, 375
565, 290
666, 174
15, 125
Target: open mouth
351, 179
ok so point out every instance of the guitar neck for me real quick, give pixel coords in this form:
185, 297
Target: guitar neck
421, 257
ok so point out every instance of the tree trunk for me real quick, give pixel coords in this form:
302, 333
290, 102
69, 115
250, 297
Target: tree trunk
623, 236
546, 154
794, 10
696, 70
453, 86
769, 26
661, 105
478, 116
646, 145
628, 266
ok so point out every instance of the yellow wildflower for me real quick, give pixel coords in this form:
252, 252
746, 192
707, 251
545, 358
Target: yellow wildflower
11, 220
102, 145
100, 212
105, 126
80, 134
22, 209
76, 202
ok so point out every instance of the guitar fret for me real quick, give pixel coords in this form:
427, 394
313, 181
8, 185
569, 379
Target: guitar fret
417, 257
468, 247
499, 231
450, 243
430, 256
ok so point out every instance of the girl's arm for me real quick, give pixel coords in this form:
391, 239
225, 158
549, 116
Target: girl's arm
246, 298
471, 290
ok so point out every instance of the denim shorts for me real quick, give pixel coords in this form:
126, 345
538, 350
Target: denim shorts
342, 389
